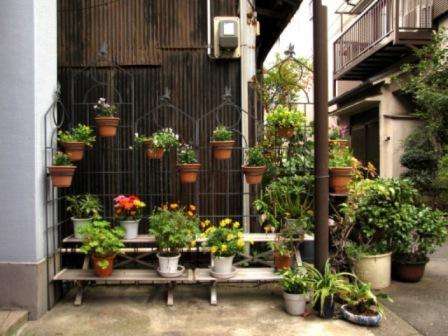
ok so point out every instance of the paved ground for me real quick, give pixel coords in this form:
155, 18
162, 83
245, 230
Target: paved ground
425, 304
126, 311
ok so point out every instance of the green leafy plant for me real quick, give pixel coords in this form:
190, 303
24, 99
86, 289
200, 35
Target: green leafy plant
173, 230
295, 281
80, 133
255, 157
84, 206
282, 246
165, 138
61, 159
340, 157
282, 116
186, 155
104, 109
226, 239
338, 133
100, 239
222, 133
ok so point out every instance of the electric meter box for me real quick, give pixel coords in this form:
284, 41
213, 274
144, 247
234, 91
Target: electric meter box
226, 37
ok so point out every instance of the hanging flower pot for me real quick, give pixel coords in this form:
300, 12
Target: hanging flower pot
106, 120
285, 132
153, 153
254, 175
75, 140
222, 150
62, 171
189, 172
340, 143
74, 150
340, 178
103, 266
255, 165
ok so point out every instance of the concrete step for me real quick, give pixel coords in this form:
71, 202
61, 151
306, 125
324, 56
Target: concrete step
11, 321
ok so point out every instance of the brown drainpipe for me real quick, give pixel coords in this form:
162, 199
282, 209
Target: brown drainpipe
321, 196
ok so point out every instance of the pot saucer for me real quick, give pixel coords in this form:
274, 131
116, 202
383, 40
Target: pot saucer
224, 276
178, 273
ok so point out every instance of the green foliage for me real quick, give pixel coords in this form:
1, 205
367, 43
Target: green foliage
80, 133
100, 239
340, 157
186, 155
357, 252
104, 109
255, 157
84, 206
226, 239
295, 281
282, 116
165, 138
338, 133
61, 159
283, 247
173, 230
222, 133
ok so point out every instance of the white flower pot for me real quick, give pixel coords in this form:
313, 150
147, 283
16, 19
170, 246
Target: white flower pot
222, 265
295, 304
77, 223
168, 264
131, 228
374, 269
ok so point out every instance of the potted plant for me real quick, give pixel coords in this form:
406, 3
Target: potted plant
158, 143
338, 137
222, 143
173, 230
75, 140
255, 165
284, 121
106, 118
83, 209
362, 305
341, 170
103, 243
325, 287
283, 253
415, 237
296, 289
188, 164
128, 210
224, 242
62, 171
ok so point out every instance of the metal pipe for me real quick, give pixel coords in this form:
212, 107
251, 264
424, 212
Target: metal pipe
321, 197
209, 29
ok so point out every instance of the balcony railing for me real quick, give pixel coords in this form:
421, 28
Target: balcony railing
382, 20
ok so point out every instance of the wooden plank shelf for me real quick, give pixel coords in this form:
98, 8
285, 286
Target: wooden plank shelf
338, 195
242, 275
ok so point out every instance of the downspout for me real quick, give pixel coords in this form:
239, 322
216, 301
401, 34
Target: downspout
209, 29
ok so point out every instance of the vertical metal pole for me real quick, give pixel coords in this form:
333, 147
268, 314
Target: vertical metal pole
321, 197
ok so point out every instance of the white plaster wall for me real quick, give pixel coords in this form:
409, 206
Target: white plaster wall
27, 81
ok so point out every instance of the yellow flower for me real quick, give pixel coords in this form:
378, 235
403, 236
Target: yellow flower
240, 234
224, 247
240, 243
193, 243
236, 225
230, 236
213, 249
222, 223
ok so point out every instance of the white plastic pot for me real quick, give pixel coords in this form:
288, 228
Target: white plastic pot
77, 223
168, 264
131, 228
375, 269
295, 304
222, 265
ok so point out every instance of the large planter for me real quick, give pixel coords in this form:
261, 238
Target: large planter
153, 153
131, 228
254, 175
62, 176
189, 172
107, 126
74, 150
375, 270
364, 320
327, 312
285, 132
103, 272
222, 150
77, 224
295, 304
340, 177
282, 262
168, 264
222, 265
407, 271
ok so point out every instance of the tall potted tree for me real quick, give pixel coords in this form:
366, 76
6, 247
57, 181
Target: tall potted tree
75, 140
83, 208
188, 164
103, 243
222, 143
128, 210
106, 118
62, 171
255, 165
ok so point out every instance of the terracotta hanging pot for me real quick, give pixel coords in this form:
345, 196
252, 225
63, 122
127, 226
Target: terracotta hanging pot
62, 176
222, 150
339, 143
407, 271
282, 262
340, 177
285, 132
189, 172
74, 150
153, 153
100, 271
107, 126
254, 175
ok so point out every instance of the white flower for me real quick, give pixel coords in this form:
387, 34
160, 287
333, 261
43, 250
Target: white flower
95, 107
136, 135
106, 105
102, 99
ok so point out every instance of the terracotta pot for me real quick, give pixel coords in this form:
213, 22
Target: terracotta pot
189, 172
408, 271
285, 132
62, 176
340, 177
154, 154
107, 126
74, 150
339, 143
103, 272
222, 150
254, 175
282, 262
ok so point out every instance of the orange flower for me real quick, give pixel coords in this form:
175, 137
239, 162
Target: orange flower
190, 213
192, 207
174, 206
